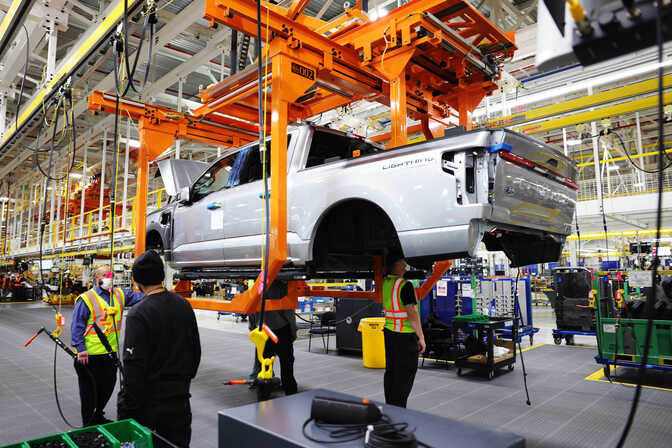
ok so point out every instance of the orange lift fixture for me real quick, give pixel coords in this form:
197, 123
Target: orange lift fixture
428, 60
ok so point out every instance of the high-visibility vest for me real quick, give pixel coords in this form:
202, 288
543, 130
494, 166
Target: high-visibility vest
109, 324
396, 317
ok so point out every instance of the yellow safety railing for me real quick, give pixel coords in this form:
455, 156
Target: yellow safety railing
74, 229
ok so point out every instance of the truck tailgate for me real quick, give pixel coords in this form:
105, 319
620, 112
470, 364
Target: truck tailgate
534, 185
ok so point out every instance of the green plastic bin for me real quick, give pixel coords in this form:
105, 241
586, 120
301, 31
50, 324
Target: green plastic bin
472, 318
111, 440
613, 340
129, 431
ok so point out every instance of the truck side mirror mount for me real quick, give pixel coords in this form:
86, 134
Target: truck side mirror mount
184, 196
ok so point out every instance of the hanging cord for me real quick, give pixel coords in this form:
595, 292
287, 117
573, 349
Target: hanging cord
262, 145
120, 50
632, 162
598, 176
150, 19
52, 146
650, 301
578, 237
58, 403
516, 340
48, 176
113, 192
23, 80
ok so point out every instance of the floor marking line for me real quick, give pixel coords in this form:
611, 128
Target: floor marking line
597, 376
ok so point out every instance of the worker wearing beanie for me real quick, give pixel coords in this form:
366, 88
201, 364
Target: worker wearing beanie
162, 351
404, 339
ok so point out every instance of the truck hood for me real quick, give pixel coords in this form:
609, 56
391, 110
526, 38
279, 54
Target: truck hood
177, 174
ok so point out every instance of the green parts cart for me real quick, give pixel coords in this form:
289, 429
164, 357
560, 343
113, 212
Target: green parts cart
621, 341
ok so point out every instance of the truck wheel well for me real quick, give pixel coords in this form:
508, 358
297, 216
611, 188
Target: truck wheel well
350, 233
154, 241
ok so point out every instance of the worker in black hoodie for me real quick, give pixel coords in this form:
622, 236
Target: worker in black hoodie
161, 354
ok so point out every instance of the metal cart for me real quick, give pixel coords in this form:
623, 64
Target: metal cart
486, 334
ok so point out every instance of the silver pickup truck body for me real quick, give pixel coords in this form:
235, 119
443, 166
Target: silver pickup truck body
348, 199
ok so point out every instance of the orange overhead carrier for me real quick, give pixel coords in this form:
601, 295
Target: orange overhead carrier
426, 60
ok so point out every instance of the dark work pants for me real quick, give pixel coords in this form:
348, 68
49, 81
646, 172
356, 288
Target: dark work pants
401, 364
171, 418
95, 387
284, 349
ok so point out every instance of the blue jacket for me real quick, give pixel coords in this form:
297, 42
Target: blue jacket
81, 314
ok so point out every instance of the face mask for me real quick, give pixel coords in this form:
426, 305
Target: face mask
106, 284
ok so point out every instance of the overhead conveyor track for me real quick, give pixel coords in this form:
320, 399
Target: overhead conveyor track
97, 37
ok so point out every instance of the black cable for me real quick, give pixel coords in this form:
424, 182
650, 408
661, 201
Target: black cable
51, 178
598, 178
58, 403
578, 236
382, 434
650, 301
262, 145
121, 48
23, 80
113, 192
627, 154
516, 340
131, 73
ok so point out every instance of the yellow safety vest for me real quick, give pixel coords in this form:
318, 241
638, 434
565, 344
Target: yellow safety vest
396, 317
98, 313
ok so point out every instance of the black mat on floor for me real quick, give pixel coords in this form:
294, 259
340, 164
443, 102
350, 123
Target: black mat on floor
566, 411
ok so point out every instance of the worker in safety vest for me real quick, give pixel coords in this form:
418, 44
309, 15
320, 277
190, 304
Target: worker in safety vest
95, 368
404, 339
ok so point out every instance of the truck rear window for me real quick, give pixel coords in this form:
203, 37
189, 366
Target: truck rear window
328, 147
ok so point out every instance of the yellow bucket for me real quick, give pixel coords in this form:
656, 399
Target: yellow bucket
373, 342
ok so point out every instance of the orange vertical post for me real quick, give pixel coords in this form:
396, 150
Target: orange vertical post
141, 191
399, 129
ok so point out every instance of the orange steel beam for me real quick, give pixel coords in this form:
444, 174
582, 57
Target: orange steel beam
158, 128
297, 8
299, 288
446, 69
384, 137
217, 130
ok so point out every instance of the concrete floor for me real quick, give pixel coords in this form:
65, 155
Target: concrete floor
567, 410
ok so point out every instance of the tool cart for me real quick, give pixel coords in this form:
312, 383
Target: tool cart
479, 341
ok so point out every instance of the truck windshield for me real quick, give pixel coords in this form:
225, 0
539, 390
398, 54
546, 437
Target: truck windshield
328, 147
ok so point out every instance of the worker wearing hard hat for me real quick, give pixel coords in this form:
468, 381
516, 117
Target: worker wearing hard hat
404, 339
94, 366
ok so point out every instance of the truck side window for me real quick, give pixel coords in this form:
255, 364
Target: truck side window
214, 179
252, 170
328, 147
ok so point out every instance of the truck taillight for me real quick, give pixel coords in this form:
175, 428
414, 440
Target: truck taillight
520, 161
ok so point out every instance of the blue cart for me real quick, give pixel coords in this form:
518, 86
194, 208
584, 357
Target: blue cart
568, 335
608, 362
